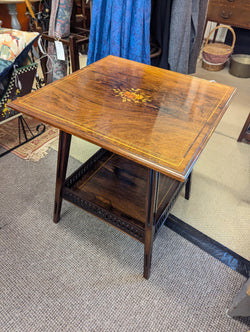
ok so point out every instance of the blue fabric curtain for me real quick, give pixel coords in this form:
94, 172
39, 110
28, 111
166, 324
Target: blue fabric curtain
120, 28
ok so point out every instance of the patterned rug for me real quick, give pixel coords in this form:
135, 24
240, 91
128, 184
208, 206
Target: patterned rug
33, 150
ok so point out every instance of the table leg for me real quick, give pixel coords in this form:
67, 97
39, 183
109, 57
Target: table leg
188, 186
152, 191
62, 163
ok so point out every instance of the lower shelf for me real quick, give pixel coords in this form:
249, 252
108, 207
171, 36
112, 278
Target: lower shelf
114, 189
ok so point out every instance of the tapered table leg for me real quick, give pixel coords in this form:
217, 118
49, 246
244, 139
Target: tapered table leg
152, 192
188, 186
62, 163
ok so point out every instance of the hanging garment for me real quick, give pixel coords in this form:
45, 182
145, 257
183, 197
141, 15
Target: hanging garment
160, 29
59, 26
120, 28
186, 32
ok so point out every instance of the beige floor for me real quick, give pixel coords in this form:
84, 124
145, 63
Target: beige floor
220, 202
220, 198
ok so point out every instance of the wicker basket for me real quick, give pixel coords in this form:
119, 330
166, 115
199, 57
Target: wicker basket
212, 66
218, 52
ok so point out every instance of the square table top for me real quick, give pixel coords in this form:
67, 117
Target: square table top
155, 117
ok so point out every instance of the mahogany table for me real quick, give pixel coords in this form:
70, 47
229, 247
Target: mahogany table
151, 125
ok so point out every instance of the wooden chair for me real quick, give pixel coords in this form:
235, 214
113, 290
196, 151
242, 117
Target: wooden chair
80, 17
73, 42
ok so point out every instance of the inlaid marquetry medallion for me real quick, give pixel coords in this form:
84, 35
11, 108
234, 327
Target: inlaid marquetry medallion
134, 95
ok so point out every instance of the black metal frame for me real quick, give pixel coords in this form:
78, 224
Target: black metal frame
23, 128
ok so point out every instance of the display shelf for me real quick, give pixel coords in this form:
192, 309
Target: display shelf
114, 189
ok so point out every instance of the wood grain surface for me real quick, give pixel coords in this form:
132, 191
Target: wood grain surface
157, 118
120, 185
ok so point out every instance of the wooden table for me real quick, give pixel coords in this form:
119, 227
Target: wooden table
151, 125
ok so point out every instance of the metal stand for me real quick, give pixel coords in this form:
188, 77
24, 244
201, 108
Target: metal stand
25, 131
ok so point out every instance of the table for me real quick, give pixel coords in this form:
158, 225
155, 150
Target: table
151, 125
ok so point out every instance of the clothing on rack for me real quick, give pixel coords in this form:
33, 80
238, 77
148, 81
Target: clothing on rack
120, 28
186, 32
160, 30
59, 26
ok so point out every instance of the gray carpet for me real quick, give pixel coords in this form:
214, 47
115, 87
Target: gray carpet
83, 275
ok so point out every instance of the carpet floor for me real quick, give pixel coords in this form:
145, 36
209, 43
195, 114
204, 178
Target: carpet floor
220, 197
84, 275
